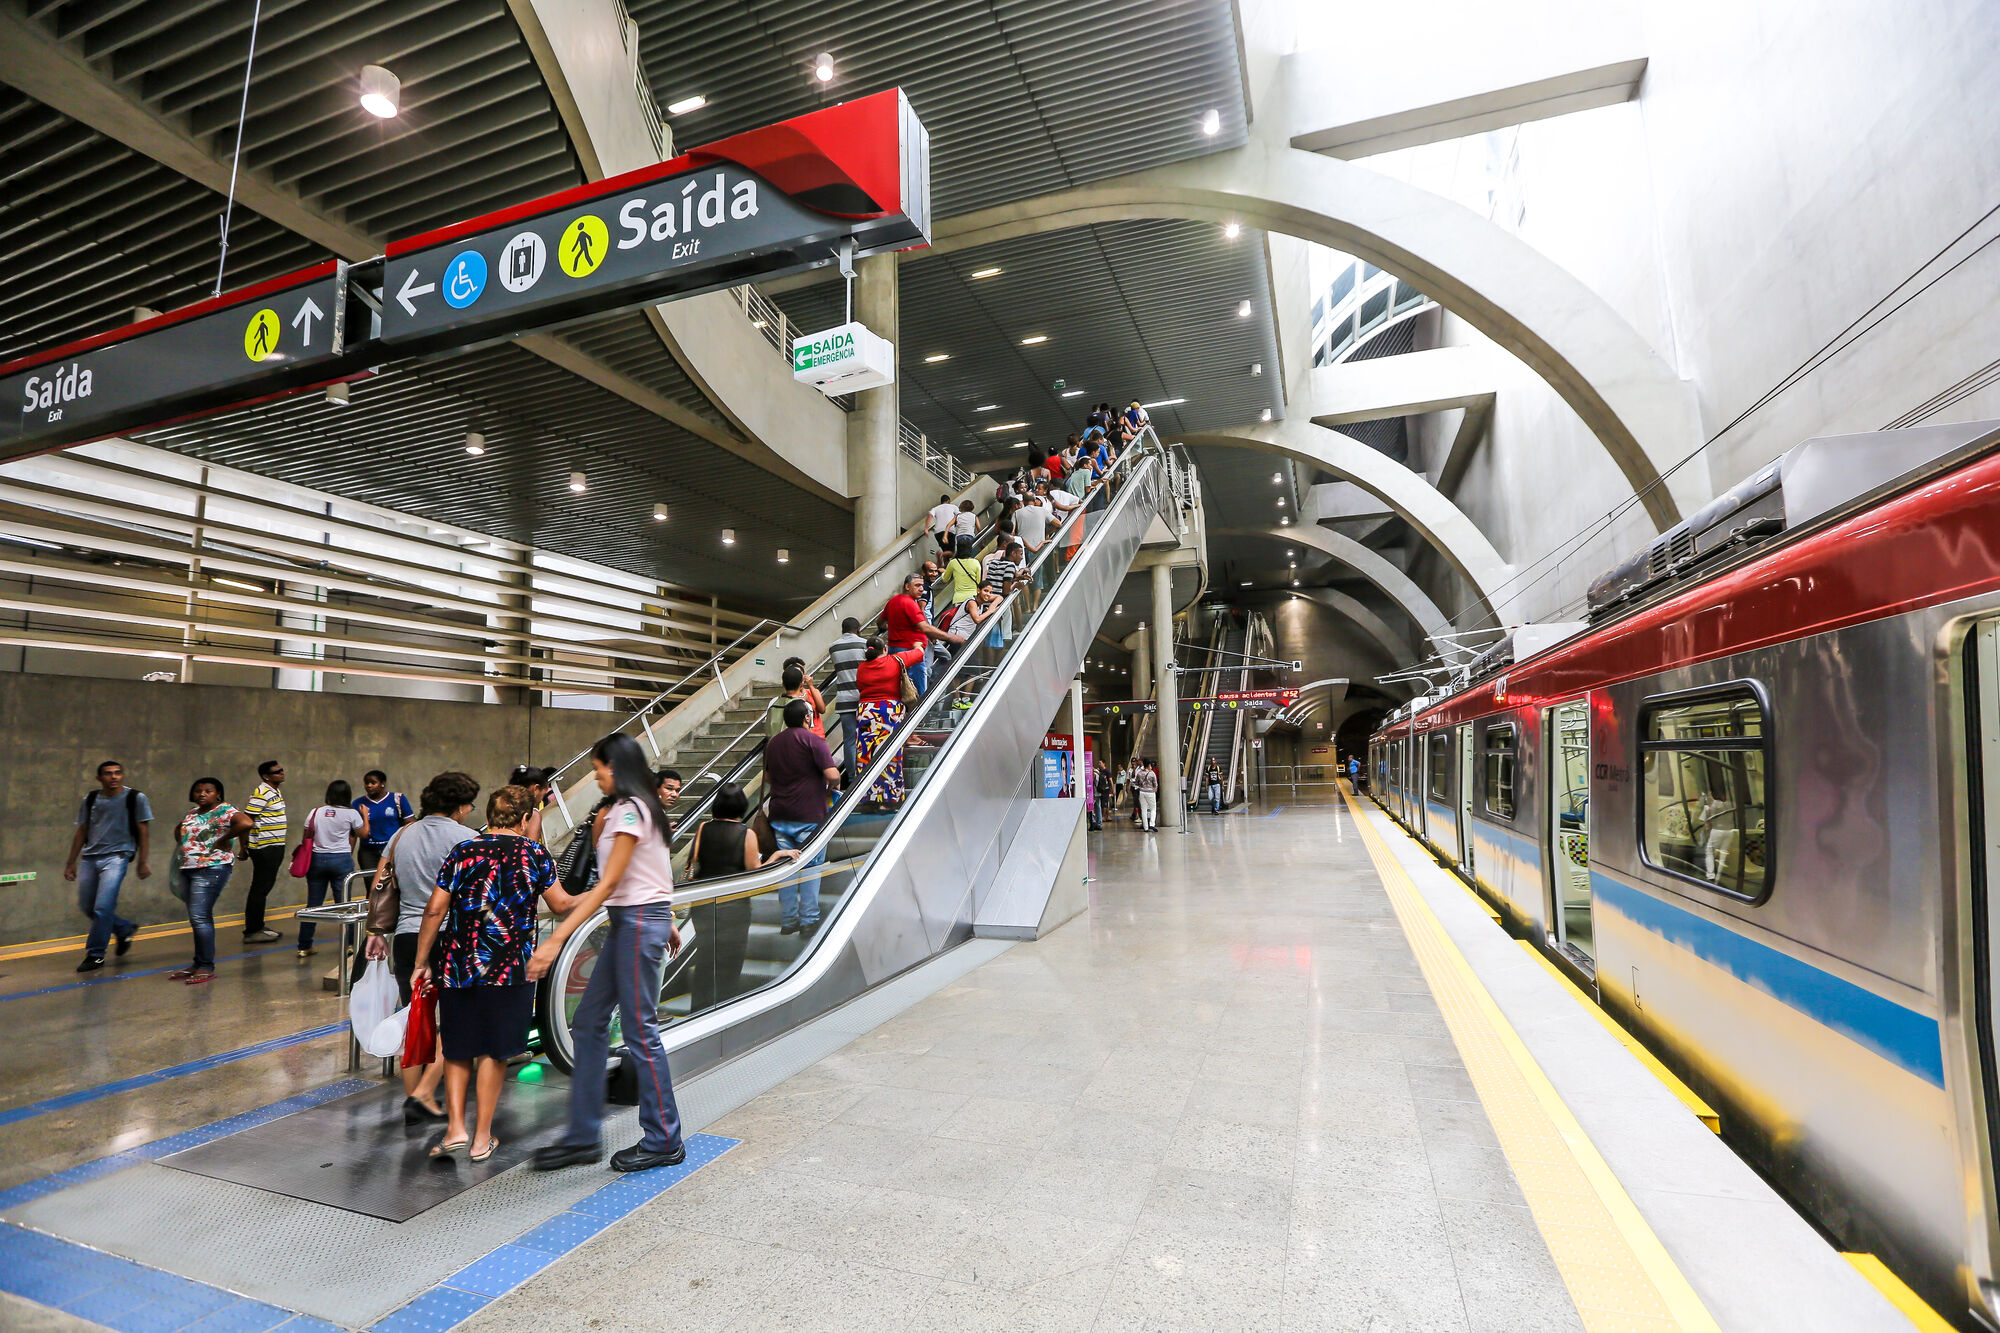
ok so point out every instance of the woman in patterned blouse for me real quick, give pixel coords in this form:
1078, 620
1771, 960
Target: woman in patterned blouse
481, 917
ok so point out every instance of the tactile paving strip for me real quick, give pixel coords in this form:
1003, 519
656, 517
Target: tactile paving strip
1618, 1274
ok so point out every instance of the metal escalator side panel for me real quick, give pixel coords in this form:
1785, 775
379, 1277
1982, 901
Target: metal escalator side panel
918, 891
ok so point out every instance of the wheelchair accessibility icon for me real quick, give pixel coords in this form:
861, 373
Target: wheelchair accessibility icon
464, 279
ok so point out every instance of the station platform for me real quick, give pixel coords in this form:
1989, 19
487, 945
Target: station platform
1284, 1074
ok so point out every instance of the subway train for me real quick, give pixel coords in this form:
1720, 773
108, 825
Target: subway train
1748, 802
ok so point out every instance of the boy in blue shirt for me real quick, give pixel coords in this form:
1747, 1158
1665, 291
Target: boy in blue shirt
385, 810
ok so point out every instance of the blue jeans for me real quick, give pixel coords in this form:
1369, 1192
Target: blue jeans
627, 975
798, 900
329, 871
98, 879
1215, 797
917, 677
204, 885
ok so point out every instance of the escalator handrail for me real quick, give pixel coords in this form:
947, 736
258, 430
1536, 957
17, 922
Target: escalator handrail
733, 885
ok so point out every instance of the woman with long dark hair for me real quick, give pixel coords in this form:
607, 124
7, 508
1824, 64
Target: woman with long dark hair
335, 830
637, 885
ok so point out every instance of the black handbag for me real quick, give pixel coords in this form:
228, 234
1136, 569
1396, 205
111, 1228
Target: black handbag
578, 869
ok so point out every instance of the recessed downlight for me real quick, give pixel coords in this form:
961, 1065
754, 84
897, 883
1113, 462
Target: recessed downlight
577, 483
381, 92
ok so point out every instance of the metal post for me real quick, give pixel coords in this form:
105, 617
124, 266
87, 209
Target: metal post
1167, 693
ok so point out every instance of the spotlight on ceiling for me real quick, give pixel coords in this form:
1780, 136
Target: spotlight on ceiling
1118, 609
687, 104
337, 394
576, 482
1281, 502
659, 513
1232, 230
1277, 478
475, 443
729, 536
1246, 583
1211, 122
1265, 415
823, 67
829, 571
381, 92
784, 556
1242, 310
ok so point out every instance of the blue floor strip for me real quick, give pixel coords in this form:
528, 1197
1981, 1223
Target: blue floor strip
127, 976
102, 1090
128, 1297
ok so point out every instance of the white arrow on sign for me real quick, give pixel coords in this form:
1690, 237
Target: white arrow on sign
308, 312
411, 287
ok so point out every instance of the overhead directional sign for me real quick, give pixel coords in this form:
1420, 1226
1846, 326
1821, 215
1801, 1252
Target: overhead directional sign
267, 338
757, 205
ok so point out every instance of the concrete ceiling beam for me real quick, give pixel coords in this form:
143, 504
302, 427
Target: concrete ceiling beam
1434, 380
1398, 586
1439, 521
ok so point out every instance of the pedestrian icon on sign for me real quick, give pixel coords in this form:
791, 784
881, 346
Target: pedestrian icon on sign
521, 262
260, 338
583, 246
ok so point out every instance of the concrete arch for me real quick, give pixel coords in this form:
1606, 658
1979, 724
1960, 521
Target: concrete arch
1440, 522
1366, 620
1370, 565
1631, 399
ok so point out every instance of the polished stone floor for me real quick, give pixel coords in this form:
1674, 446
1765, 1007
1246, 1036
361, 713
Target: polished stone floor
1222, 1099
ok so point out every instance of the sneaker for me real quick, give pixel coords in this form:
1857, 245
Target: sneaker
124, 944
261, 936
89, 964
306, 953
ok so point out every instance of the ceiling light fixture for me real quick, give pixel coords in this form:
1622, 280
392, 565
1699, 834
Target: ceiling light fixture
1277, 478
576, 482
1018, 444
829, 571
759, 323
687, 104
1232, 230
239, 583
1265, 415
823, 68
729, 536
659, 513
1006, 425
337, 394
1165, 402
1211, 122
1246, 583
784, 556
1034, 338
1242, 310
1281, 502
381, 92
987, 407
992, 272
1284, 522
936, 357
1118, 609
475, 443
1073, 393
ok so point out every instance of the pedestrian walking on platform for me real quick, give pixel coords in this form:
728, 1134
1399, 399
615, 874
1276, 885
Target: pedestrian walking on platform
1211, 778
479, 926
264, 848
1147, 782
112, 830
205, 859
385, 810
334, 829
637, 885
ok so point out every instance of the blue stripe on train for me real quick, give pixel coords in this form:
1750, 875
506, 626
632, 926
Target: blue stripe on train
1897, 1034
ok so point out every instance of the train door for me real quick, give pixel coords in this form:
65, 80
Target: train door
1420, 814
1566, 846
1465, 762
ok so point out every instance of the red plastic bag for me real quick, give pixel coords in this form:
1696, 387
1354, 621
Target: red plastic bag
420, 1037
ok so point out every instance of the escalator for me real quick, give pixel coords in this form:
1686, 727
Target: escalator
903, 862
1219, 737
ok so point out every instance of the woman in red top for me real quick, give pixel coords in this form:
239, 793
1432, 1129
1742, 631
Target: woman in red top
880, 679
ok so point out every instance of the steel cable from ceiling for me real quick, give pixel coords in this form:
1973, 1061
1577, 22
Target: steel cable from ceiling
236, 160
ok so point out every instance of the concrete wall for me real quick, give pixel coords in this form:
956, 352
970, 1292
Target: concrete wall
1785, 169
59, 729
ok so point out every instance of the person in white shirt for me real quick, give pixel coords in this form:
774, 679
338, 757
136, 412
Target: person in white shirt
966, 523
939, 520
1031, 523
335, 831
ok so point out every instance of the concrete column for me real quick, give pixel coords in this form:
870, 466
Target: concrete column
1142, 665
871, 426
1166, 727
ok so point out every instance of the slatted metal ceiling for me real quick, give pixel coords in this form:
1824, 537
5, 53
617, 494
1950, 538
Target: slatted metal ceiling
1021, 97
401, 443
1142, 310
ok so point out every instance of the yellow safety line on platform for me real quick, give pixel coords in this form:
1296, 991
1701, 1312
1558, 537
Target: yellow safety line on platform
1910, 1304
1618, 1274
39, 948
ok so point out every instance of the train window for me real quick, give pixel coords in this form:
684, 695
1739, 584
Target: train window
1497, 751
1702, 814
1440, 766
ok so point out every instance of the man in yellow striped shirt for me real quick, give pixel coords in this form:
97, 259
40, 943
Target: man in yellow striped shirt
264, 848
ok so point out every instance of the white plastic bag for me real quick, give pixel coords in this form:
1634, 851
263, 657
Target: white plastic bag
387, 1038
372, 1001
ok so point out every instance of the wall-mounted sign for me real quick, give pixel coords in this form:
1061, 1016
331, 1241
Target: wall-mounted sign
844, 360
17, 877
755, 205
268, 338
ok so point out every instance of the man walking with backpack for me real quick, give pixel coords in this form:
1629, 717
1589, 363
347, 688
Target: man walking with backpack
112, 826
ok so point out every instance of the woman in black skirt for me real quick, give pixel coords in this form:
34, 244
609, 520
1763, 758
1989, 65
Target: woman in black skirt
481, 918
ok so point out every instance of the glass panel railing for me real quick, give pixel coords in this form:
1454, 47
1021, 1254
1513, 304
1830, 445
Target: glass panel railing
743, 932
